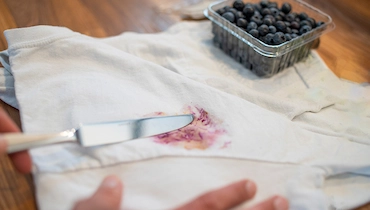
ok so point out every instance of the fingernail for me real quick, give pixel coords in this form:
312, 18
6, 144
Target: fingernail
111, 182
280, 204
251, 188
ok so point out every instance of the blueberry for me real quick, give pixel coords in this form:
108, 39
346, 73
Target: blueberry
287, 23
264, 3
239, 5
278, 18
249, 5
288, 30
272, 5
263, 30
239, 15
252, 25
279, 38
271, 17
312, 21
221, 11
303, 16
233, 10
295, 31
272, 29
257, 13
294, 36
280, 25
257, 7
305, 29
248, 11
274, 11
304, 23
282, 14
269, 38
265, 11
286, 8
227, 8
256, 19
290, 17
319, 23
288, 37
254, 33
229, 16
241, 22
294, 25
267, 21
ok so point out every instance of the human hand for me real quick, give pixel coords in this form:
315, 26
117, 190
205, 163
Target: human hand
109, 194
234, 195
21, 160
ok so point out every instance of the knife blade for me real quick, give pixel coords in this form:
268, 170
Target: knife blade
94, 134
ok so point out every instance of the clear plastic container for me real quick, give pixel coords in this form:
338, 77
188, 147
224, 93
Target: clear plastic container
263, 59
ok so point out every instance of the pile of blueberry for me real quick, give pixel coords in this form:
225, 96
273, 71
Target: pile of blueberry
267, 22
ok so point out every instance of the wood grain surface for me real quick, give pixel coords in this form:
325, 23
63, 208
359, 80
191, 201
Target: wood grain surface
345, 50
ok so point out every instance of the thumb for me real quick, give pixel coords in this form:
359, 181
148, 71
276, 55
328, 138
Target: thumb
107, 197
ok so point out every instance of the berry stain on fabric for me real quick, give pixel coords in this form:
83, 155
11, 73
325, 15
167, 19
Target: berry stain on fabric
202, 133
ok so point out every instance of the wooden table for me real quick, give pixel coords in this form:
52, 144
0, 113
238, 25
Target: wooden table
346, 50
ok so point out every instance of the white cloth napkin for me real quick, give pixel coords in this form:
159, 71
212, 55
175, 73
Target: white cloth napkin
290, 133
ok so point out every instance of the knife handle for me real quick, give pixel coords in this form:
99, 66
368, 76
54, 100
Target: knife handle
19, 142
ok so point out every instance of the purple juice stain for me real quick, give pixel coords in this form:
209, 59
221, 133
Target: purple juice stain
199, 134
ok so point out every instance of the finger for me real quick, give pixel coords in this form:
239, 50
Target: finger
6, 124
224, 198
274, 203
3, 146
22, 161
107, 197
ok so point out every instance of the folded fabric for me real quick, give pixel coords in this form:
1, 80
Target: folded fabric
7, 92
7, 88
245, 126
307, 93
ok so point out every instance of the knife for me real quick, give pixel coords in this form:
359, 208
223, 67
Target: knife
95, 134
